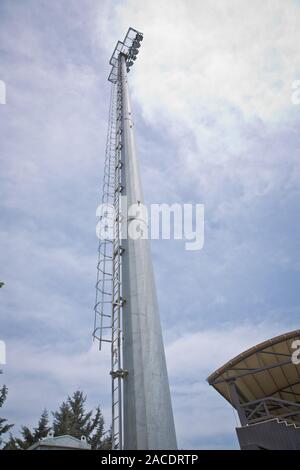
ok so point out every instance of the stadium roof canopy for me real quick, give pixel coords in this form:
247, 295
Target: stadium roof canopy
266, 381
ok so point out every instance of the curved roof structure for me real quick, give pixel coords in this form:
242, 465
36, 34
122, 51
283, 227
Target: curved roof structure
266, 380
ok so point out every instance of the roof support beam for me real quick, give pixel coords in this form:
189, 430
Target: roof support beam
236, 403
252, 371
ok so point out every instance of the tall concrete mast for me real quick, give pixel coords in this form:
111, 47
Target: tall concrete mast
141, 404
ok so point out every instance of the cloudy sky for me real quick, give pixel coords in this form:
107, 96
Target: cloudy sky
215, 121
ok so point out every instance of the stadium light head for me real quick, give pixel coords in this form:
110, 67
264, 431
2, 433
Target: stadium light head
130, 48
136, 44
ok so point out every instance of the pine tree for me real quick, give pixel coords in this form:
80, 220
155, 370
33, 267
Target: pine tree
101, 439
82, 424
71, 418
96, 440
4, 427
30, 437
11, 444
43, 426
62, 420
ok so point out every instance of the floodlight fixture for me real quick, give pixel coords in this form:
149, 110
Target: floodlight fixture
129, 48
136, 44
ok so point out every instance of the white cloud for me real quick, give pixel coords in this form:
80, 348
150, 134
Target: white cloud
195, 353
45, 375
32, 262
216, 77
241, 53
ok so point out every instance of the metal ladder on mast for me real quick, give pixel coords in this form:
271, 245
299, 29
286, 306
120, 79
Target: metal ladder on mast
109, 300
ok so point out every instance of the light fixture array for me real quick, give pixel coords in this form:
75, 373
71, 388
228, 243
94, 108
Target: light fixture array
130, 48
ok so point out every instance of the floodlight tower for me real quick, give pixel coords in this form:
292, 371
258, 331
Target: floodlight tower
126, 309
